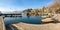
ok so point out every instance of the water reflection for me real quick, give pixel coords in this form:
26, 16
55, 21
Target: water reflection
28, 16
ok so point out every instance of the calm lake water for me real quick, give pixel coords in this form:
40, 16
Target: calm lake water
24, 18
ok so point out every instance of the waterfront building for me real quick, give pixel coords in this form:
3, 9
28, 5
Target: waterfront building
34, 11
43, 11
40, 12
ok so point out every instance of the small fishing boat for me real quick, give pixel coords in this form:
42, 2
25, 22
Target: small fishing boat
44, 17
47, 20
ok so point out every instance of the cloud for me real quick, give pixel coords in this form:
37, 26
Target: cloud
12, 9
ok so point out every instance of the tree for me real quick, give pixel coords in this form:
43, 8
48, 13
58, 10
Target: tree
27, 10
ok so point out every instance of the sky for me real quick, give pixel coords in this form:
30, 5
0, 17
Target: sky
20, 5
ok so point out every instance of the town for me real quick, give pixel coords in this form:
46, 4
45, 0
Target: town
45, 12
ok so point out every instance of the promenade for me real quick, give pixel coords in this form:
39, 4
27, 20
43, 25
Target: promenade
2, 26
49, 26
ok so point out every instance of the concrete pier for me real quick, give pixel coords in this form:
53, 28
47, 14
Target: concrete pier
2, 25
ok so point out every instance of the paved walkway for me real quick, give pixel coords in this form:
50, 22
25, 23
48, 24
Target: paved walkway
49, 26
2, 27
